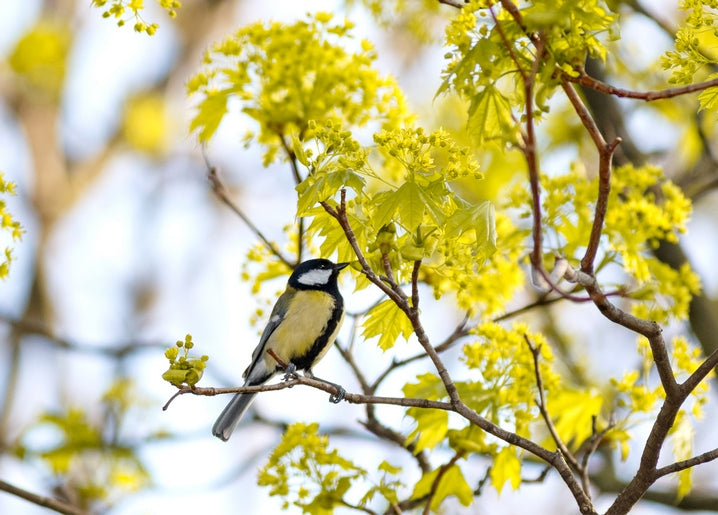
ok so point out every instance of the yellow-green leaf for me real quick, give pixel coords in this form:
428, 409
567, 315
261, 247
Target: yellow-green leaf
573, 412
431, 427
451, 483
388, 322
209, 114
507, 466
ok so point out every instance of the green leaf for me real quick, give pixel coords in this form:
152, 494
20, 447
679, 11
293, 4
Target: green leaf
480, 218
507, 466
451, 483
490, 115
388, 322
410, 205
209, 114
310, 192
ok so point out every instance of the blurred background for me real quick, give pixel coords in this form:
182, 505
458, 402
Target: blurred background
126, 249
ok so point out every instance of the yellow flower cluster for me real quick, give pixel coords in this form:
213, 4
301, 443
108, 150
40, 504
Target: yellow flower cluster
8, 224
288, 75
118, 9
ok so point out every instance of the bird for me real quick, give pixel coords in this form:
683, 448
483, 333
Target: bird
302, 326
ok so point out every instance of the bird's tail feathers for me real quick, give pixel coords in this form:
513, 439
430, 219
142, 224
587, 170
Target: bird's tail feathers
230, 416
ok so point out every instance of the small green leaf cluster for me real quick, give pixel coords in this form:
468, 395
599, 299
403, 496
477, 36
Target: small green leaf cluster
96, 472
284, 76
119, 8
184, 369
8, 224
306, 473
487, 70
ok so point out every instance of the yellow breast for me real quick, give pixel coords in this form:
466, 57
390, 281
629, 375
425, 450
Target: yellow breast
305, 321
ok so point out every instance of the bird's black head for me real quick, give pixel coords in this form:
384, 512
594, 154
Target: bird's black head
316, 274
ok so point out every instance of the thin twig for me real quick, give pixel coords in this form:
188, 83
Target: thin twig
706, 457
507, 44
220, 191
415, 284
541, 403
584, 79
297, 179
459, 332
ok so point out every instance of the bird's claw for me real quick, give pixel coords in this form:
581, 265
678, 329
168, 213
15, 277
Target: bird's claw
336, 398
290, 372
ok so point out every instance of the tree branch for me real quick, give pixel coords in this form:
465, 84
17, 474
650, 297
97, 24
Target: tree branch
686, 464
220, 191
297, 179
605, 153
40, 500
584, 79
541, 403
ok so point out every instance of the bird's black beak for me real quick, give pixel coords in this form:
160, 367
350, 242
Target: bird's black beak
340, 266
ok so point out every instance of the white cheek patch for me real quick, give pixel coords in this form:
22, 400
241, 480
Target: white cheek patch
315, 277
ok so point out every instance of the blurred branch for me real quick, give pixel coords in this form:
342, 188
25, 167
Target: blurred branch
45, 502
453, 3
372, 423
220, 191
297, 179
10, 387
459, 332
116, 350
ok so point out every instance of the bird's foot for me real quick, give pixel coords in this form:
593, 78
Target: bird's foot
338, 397
290, 372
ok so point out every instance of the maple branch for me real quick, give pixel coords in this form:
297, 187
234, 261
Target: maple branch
605, 153
453, 3
584, 79
541, 403
706, 457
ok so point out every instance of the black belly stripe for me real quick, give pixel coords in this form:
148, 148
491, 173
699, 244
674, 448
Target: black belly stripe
307, 361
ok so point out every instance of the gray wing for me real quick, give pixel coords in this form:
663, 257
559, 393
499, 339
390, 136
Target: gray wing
278, 313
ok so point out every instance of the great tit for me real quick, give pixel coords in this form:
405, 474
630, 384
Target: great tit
303, 325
